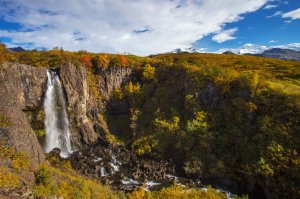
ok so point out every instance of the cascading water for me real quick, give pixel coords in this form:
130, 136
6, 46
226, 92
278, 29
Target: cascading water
56, 121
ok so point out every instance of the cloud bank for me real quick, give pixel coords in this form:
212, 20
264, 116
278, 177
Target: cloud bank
140, 27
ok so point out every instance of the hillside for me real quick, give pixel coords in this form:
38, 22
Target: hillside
229, 121
279, 53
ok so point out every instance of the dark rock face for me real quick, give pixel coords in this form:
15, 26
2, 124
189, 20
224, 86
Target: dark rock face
22, 89
17, 49
74, 80
83, 106
228, 53
55, 152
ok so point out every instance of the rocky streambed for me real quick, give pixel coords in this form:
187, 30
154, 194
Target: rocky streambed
123, 170
120, 168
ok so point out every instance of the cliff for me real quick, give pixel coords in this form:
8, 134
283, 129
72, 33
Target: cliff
86, 103
22, 92
21, 89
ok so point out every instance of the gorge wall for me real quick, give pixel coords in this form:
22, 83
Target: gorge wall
84, 107
22, 90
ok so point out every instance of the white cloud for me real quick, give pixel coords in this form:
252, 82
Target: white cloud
225, 35
277, 13
270, 6
135, 26
295, 14
273, 41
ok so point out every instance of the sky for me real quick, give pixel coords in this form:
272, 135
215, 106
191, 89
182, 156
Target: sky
144, 27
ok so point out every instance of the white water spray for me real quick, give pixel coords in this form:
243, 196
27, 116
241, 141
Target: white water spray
56, 121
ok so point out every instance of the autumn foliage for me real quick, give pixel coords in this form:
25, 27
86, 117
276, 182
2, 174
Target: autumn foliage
103, 60
87, 61
123, 60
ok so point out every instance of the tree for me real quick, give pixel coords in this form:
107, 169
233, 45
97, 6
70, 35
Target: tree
133, 88
86, 60
5, 54
2, 47
2, 52
197, 124
123, 60
130, 87
149, 72
103, 60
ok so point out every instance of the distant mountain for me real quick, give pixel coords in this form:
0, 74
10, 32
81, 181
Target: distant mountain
285, 52
279, 53
251, 49
259, 49
16, 49
228, 53
187, 50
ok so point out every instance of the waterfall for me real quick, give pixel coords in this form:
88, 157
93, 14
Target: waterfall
56, 120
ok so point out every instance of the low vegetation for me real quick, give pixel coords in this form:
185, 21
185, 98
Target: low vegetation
57, 178
12, 164
177, 192
66, 183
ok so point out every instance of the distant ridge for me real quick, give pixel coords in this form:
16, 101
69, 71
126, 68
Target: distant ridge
285, 52
279, 53
16, 49
228, 53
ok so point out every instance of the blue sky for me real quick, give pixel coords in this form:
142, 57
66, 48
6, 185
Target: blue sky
260, 28
150, 26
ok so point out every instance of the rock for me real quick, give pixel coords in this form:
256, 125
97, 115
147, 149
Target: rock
83, 106
16, 193
193, 169
138, 168
55, 152
21, 90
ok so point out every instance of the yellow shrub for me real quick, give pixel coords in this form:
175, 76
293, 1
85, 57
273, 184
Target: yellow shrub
8, 179
149, 72
137, 194
19, 161
52, 181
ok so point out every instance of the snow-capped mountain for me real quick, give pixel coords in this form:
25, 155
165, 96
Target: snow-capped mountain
286, 52
189, 50
279, 53
251, 49
258, 49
